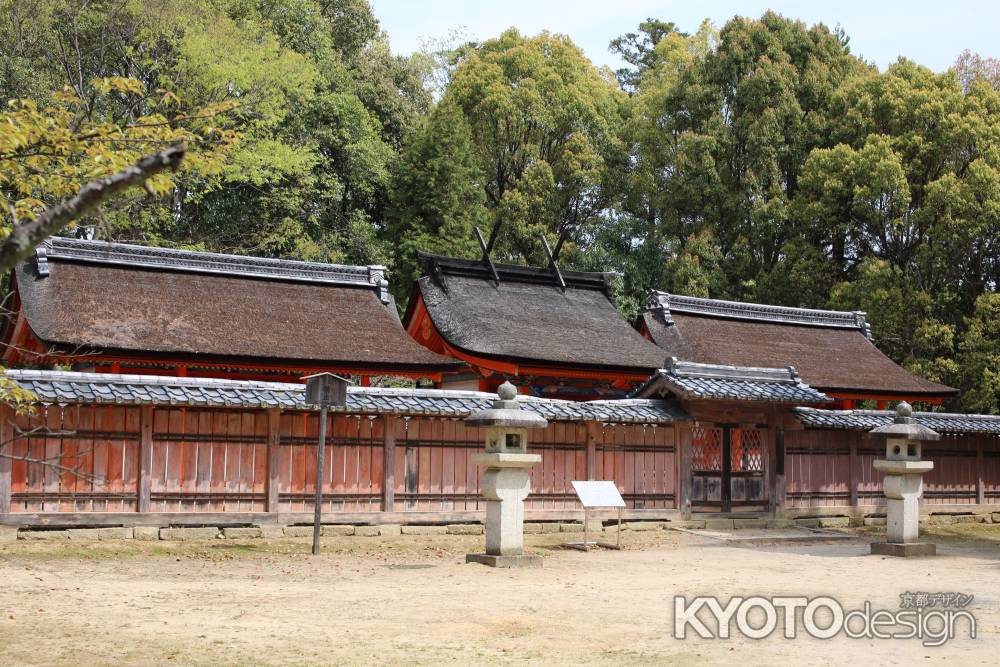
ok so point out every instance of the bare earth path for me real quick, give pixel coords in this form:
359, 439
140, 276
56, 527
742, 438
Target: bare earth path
412, 600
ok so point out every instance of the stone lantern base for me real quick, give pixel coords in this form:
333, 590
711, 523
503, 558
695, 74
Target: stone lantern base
521, 560
904, 550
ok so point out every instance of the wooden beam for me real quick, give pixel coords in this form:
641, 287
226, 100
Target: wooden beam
6, 445
389, 462
553, 266
771, 473
273, 460
594, 430
780, 496
685, 431
852, 470
145, 457
486, 255
980, 462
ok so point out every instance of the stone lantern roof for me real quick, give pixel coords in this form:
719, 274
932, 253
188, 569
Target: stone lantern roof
506, 412
905, 427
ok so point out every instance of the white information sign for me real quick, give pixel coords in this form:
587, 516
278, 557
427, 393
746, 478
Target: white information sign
598, 494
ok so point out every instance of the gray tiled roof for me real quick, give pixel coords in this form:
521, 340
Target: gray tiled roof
866, 420
757, 311
72, 387
712, 381
124, 254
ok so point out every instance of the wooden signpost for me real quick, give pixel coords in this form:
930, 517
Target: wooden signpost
324, 390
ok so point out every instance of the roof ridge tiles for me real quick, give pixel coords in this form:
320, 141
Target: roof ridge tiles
171, 259
864, 420
744, 310
66, 387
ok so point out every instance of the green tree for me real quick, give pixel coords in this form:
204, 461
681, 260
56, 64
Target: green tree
439, 195
639, 50
980, 356
720, 128
543, 127
323, 109
902, 317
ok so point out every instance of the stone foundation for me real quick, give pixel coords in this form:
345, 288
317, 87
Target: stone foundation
905, 550
11, 533
518, 561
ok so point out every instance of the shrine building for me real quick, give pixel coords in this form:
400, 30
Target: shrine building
117, 308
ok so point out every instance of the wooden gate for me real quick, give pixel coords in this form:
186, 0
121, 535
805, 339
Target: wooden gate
728, 467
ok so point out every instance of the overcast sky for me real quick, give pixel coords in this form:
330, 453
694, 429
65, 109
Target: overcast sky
932, 33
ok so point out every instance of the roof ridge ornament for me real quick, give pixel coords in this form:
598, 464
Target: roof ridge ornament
486, 247
171, 259
841, 319
553, 265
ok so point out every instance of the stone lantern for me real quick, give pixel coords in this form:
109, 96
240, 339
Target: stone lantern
506, 482
903, 483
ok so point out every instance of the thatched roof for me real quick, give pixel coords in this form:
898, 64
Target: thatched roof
831, 350
137, 301
527, 318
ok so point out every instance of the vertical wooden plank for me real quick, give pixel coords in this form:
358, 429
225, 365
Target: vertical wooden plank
6, 447
781, 460
411, 477
448, 466
225, 425
366, 465
273, 459
130, 457
683, 458
852, 473
426, 482
145, 457
389, 424
215, 421
980, 462
52, 452
176, 454
771, 460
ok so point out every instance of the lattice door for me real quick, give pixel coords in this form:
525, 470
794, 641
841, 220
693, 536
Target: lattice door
706, 449
706, 466
728, 467
748, 452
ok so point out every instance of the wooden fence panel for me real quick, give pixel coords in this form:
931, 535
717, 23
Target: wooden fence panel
75, 459
953, 479
818, 468
641, 460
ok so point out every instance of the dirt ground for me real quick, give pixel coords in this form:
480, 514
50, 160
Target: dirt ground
412, 600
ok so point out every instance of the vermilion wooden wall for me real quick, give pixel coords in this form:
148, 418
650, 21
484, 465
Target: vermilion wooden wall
231, 460
102, 458
822, 468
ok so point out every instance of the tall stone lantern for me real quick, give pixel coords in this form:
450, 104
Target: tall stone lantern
506, 482
903, 484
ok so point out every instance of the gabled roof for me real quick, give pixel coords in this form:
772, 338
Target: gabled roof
711, 381
832, 350
135, 301
866, 420
528, 318
66, 387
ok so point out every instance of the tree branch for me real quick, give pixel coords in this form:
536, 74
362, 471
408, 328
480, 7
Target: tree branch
23, 238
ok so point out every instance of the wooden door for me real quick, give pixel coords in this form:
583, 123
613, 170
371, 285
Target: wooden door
728, 467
